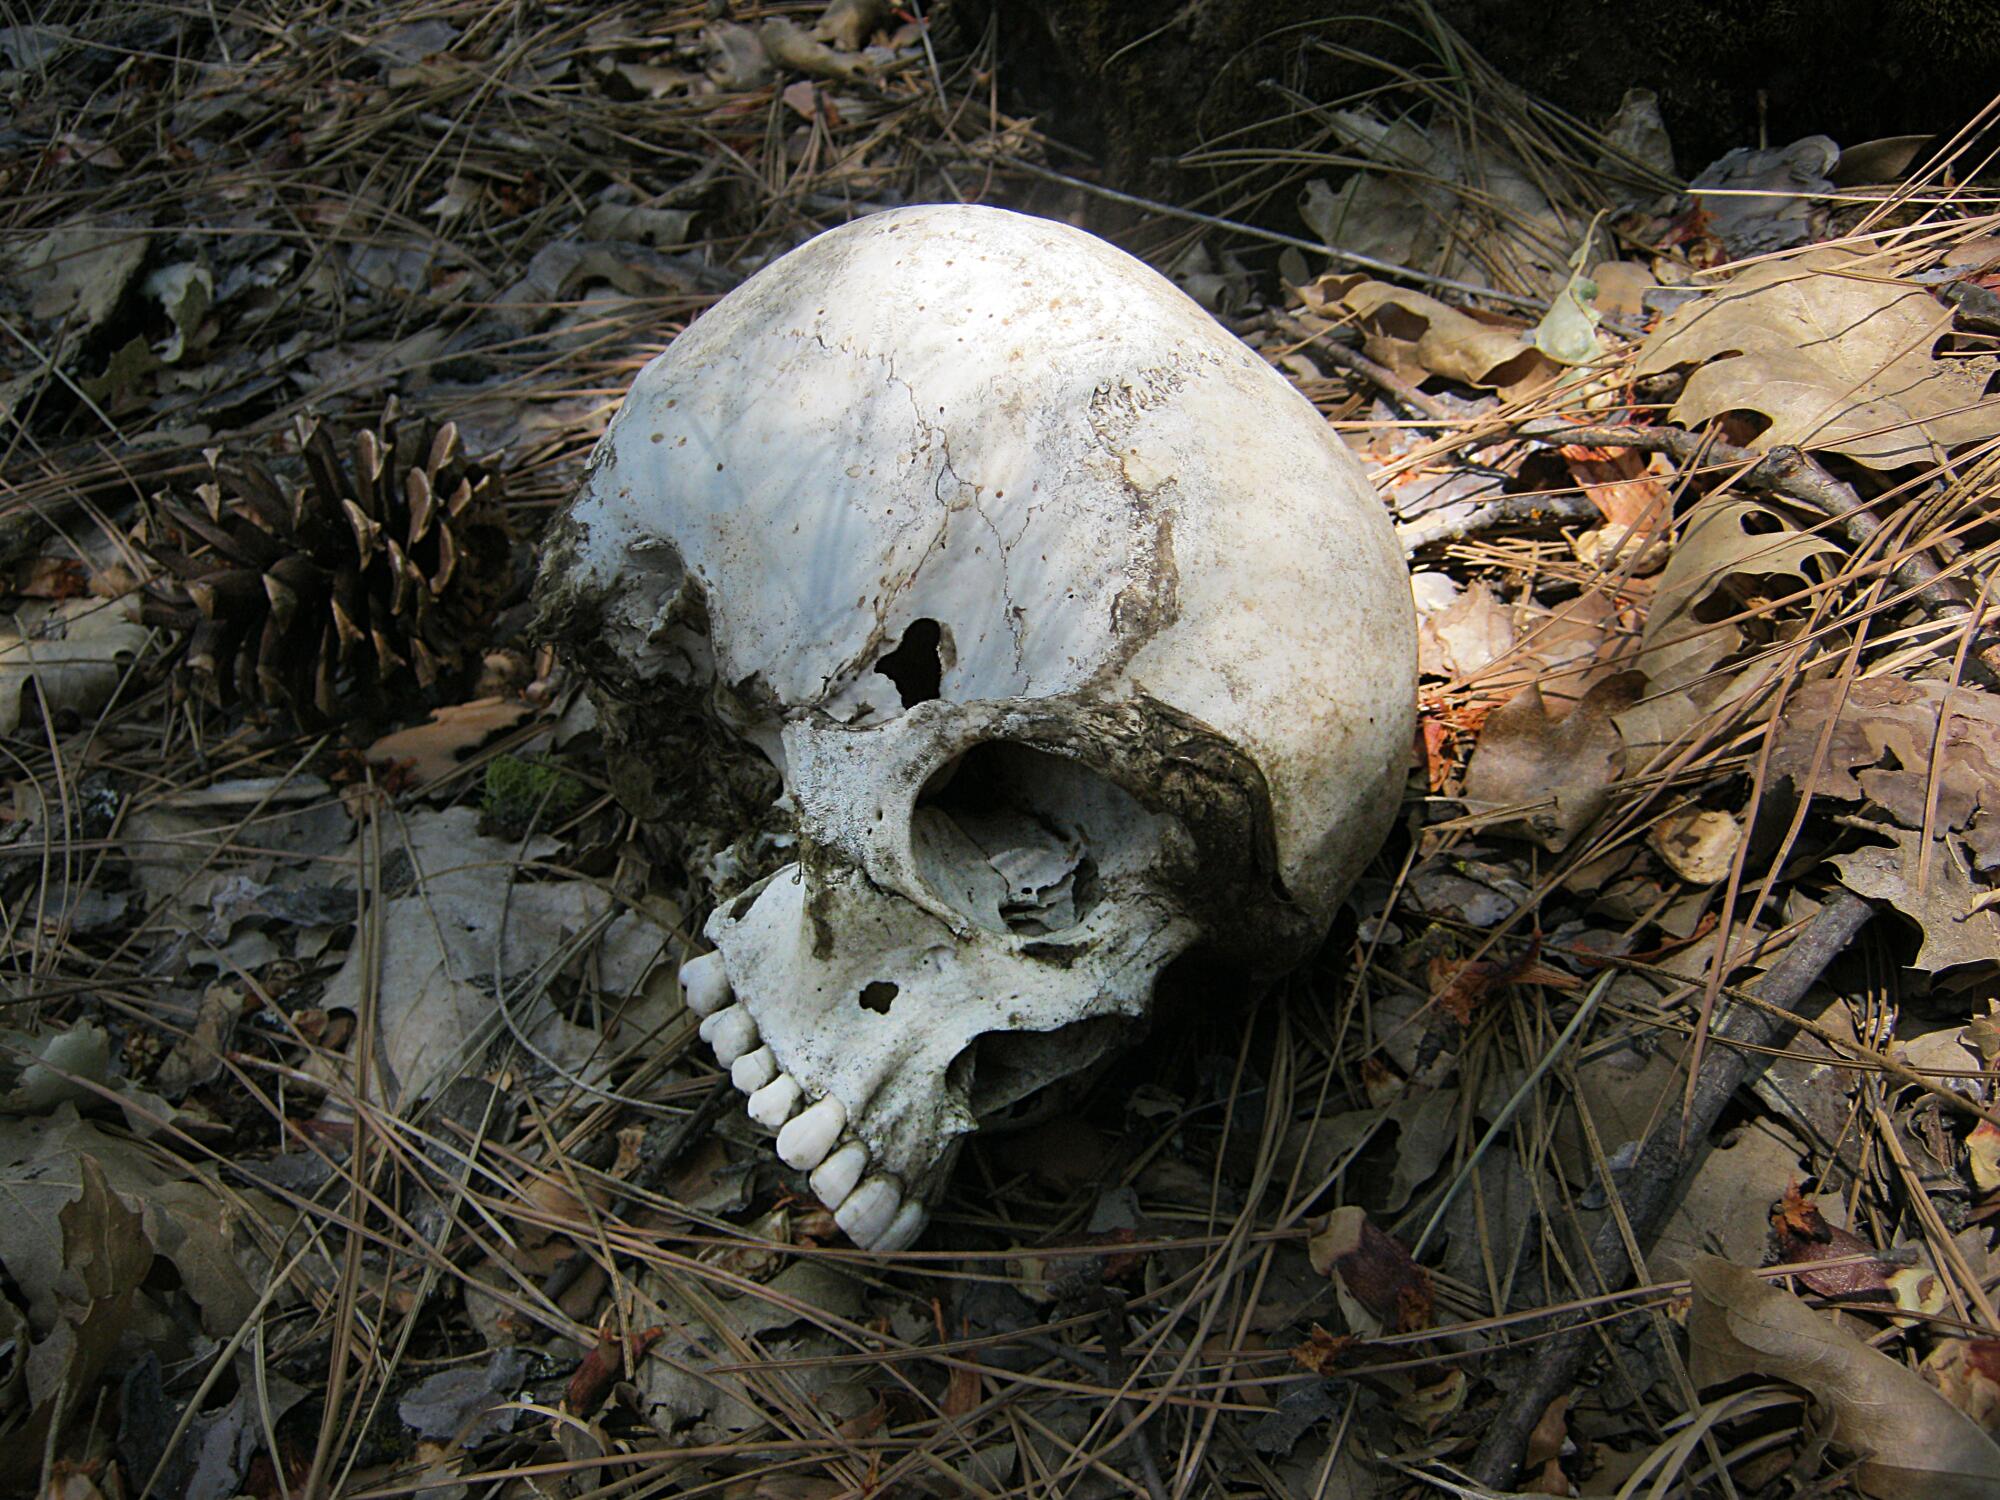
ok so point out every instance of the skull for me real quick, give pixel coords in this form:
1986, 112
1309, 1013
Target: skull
1074, 635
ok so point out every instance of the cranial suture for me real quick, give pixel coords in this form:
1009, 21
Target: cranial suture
1075, 636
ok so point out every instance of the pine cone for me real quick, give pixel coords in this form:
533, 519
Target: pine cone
343, 584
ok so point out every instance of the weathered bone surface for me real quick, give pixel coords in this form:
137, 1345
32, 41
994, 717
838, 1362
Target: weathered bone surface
1075, 636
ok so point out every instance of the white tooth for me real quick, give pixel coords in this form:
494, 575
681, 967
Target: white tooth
704, 986
753, 1070
904, 1229
773, 1104
810, 1134
869, 1210
834, 1178
730, 1033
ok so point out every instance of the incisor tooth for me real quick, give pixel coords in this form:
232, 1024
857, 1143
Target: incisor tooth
904, 1229
703, 984
810, 1134
730, 1033
834, 1178
753, 1070
773, 1104
869, 1210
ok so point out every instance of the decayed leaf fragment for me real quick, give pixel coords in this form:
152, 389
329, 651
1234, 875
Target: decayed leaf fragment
1967, 1374
1837, 353
1804, 1237
1916, 1445
1698, 845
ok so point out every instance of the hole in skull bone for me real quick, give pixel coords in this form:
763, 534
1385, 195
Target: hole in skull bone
917, 664
878, 995
1019, 840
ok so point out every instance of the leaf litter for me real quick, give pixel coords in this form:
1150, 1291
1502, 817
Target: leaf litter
350, 1112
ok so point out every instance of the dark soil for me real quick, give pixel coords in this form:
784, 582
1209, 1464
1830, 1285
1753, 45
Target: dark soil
1140, 83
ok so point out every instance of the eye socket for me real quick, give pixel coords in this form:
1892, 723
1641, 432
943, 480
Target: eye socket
1021, 841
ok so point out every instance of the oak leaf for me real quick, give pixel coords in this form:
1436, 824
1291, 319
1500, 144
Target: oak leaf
1836, 353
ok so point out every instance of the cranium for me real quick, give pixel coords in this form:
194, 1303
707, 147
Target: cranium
1075, 636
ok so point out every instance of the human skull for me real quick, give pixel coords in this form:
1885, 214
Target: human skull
1075, 636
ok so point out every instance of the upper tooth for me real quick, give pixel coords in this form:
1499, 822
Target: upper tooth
753, 1070
834, 1178
904, 1229
810, 1134
704, 986
773, 1104
869, 1211
731, 1033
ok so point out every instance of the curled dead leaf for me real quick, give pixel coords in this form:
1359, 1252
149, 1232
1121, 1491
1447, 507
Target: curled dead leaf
1418, 336
1914, 1445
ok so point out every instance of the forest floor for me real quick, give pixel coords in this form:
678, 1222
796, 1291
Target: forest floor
1634, 1133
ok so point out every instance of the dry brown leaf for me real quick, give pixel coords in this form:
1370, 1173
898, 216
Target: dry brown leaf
1836, 353
788, 45
1880, 750
1948, 907
848, 24
1626, 485
1982, 1154
1466, 636
76, 651
1418, 336
1558, 773
1916, 1445
440, 745
1724, 557
1621, 288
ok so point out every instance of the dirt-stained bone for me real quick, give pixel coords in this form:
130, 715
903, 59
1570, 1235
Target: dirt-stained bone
1075, 637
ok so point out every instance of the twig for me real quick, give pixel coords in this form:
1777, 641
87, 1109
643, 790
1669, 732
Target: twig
1656, 1176
1509, 510
1398, 389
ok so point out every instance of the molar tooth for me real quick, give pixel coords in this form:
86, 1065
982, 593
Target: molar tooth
753, 1070
731, 1033
776, 1101
810, 1134
904, 1228
704, 986
834, 1178
869, 1210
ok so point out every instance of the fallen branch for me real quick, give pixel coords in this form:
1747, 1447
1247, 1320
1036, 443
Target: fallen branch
1655, 1177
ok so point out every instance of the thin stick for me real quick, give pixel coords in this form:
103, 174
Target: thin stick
1656, 1177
